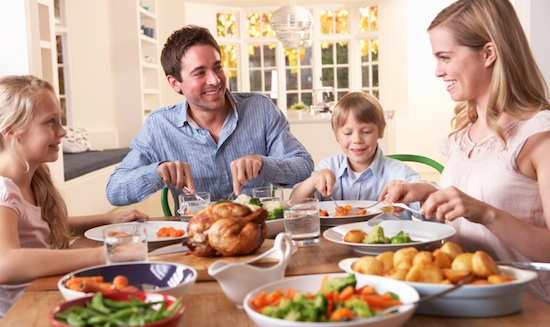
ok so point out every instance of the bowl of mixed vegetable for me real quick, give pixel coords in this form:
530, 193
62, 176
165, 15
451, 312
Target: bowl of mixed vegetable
149, 309
274, 220
332, 300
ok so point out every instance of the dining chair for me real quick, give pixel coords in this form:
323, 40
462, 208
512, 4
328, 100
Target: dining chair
417, 158
164, 202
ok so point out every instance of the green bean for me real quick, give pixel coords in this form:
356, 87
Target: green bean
106, 312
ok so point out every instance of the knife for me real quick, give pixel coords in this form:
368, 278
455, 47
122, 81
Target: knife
538, 266
168, 250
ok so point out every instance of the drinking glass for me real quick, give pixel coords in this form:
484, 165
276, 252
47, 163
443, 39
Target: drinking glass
302, 223
190, 204
268, 193
125, 242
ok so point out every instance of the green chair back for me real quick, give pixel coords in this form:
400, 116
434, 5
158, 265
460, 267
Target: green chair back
164, 201
417, 158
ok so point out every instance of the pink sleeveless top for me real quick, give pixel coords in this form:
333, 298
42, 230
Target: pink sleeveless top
490, 174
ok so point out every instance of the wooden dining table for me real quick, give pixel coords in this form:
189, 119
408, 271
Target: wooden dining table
207, 305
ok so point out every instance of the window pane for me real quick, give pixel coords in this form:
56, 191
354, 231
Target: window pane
256, 80
232, 80
342, 74
254, 56
269, 55
267, 30
291, 79
61, 77
342, 53
267, 80
374, 49
292, 99
307, 78
341, 17
368, 21
305, 56
365, 78
328, 76
327, 53
375, 75
326, 21
364, 45
253, 24
226, 25
307, 97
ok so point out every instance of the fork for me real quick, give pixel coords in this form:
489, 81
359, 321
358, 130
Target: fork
406, 207
336, 206
196, 196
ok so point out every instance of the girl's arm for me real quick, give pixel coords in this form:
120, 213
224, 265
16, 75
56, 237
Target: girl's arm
80, 224
20, 265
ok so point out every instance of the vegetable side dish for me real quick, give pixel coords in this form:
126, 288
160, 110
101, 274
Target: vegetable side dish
337, 300
376, 236
446, 265
89, 284
101, 311
343, 211
170, 232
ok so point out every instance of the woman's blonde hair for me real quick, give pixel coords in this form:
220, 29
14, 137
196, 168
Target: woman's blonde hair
363, 106
19, 96
517, 85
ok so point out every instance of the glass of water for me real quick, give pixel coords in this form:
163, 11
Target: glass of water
125, 242
190, 204
268, 193
302, 223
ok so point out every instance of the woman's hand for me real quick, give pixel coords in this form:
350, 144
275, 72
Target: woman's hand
451, 203
405, 192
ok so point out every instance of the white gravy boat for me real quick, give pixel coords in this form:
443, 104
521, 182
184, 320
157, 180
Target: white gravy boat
238, 279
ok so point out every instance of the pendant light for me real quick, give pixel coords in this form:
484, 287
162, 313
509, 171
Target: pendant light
293, 26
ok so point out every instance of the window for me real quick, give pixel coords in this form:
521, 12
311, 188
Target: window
344, 54
61, 37
368, 45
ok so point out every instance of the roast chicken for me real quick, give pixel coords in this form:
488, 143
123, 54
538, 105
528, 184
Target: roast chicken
226, 229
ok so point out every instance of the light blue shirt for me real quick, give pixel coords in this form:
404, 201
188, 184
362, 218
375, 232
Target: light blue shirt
255, 126
370, 183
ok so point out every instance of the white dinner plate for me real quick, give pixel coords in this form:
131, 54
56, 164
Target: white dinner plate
332, 220
152, 227
422, 232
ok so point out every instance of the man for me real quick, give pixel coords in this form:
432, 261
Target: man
214, 141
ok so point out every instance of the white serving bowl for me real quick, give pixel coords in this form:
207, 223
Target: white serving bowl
170, 278
470, 300
275, 227
311, 283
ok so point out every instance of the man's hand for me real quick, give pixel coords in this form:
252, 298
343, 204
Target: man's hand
177, 174
244, 169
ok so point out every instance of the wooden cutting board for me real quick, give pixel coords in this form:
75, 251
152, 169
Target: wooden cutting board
201, 264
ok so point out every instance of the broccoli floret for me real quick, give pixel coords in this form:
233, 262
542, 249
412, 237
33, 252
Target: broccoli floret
359, 307
376, 236
247, 201
339, 283
401, 237
255, 202
274, 209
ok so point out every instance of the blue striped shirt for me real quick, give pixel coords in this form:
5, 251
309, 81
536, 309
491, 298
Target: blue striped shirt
255, 126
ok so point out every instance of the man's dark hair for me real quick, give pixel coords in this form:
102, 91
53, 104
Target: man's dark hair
179, 42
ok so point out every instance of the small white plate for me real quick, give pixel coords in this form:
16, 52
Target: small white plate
424, 233
152, 227
332, 220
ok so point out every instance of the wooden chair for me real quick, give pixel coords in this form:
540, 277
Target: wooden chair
418, 158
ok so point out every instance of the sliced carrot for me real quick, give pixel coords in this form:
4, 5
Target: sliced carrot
346, 293
341, 314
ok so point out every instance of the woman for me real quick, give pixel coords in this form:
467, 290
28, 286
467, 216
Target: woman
33, 217
498, 152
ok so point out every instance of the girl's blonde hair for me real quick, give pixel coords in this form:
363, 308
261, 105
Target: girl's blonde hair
19, 96
363, 106
517, 85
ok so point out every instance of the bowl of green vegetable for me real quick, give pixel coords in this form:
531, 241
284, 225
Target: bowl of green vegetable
149, 309
331, 300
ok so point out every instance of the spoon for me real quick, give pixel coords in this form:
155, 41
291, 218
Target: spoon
459, 284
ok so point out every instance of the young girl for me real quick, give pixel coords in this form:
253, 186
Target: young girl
33, 217
361, 172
